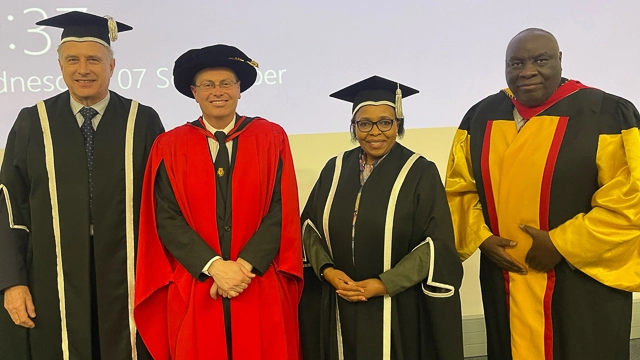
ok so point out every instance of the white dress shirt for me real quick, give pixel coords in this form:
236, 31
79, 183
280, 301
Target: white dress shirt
520, 121
213, 143
100, 107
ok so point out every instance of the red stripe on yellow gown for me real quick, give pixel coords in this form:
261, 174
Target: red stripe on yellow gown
518, 163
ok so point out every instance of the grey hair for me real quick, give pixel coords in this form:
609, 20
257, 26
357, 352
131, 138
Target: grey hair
108, 48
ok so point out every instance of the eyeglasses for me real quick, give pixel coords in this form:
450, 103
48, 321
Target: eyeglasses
210, 85
367, 125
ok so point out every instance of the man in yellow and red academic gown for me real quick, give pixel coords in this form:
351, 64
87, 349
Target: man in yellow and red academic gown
544, 178
219, 265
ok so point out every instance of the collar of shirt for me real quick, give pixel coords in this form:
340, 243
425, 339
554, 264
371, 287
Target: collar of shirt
100, 106
363, 159
225, 130
520, 121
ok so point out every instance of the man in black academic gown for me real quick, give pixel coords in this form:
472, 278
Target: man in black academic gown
71, 183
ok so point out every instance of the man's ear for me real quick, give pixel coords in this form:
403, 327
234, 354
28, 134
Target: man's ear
193, 91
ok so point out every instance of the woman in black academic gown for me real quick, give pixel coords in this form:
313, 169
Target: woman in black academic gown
382, 273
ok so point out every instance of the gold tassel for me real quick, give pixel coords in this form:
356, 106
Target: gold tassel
399, 113
254, 63
113, 28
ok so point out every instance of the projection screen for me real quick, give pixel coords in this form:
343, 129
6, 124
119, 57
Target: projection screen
452, 51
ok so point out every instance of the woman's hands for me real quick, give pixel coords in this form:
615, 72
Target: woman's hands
353, 291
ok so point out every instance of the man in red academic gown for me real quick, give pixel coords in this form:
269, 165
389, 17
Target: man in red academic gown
219, 263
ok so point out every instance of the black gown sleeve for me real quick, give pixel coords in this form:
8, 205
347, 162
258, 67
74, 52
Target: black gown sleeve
314, 245
311, 311
442, 325
409, 271
314, 249
432, 220
263, 246
175, 233
432, 200
13, 251
14, 206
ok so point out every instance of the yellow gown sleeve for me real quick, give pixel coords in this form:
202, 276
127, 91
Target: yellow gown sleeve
466, 211
605, 242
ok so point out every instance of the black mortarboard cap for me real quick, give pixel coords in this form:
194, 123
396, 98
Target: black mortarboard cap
189, 64
81, 26
375, 90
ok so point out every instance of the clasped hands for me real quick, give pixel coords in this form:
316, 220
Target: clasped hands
543, 255
354, 291
230, 278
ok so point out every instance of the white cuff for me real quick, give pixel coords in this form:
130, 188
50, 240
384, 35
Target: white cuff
205, 270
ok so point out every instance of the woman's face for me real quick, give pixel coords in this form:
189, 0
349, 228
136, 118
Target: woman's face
376, 142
